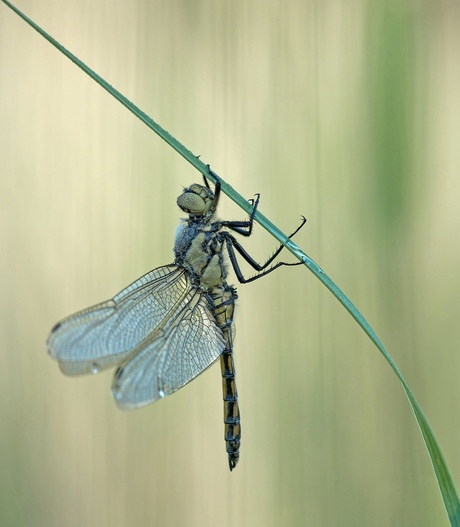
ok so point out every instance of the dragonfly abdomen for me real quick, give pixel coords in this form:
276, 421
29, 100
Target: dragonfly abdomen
231, 408
223, 308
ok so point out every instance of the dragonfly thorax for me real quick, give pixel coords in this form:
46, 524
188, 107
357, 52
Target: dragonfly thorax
198, 249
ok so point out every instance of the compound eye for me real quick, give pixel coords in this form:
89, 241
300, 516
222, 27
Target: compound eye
191, 203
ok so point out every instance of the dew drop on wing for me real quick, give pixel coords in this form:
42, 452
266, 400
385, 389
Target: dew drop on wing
95, 367
161, 393
116, 385
56, 327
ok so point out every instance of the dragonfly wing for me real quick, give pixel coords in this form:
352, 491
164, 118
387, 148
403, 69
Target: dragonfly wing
174, 354
107, 333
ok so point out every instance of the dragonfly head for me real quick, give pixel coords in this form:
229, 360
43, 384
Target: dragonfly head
196, 200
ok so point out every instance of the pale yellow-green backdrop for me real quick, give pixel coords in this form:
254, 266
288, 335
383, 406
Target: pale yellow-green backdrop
346, 112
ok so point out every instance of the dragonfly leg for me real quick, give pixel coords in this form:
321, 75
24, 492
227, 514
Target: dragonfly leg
216, 187
251, 260
241, 226
239, 274
237, 226
233, 244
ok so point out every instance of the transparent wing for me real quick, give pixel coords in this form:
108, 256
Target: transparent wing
107, 333
175, 353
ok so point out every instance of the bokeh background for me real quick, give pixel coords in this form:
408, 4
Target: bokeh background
346, 112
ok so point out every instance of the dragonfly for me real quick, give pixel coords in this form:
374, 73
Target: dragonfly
174, 322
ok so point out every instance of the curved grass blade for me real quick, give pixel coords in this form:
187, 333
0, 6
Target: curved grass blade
445, 482
446, 485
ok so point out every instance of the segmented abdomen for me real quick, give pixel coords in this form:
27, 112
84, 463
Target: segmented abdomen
223, 308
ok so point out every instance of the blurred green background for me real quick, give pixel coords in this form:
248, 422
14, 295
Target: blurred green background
346, 112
